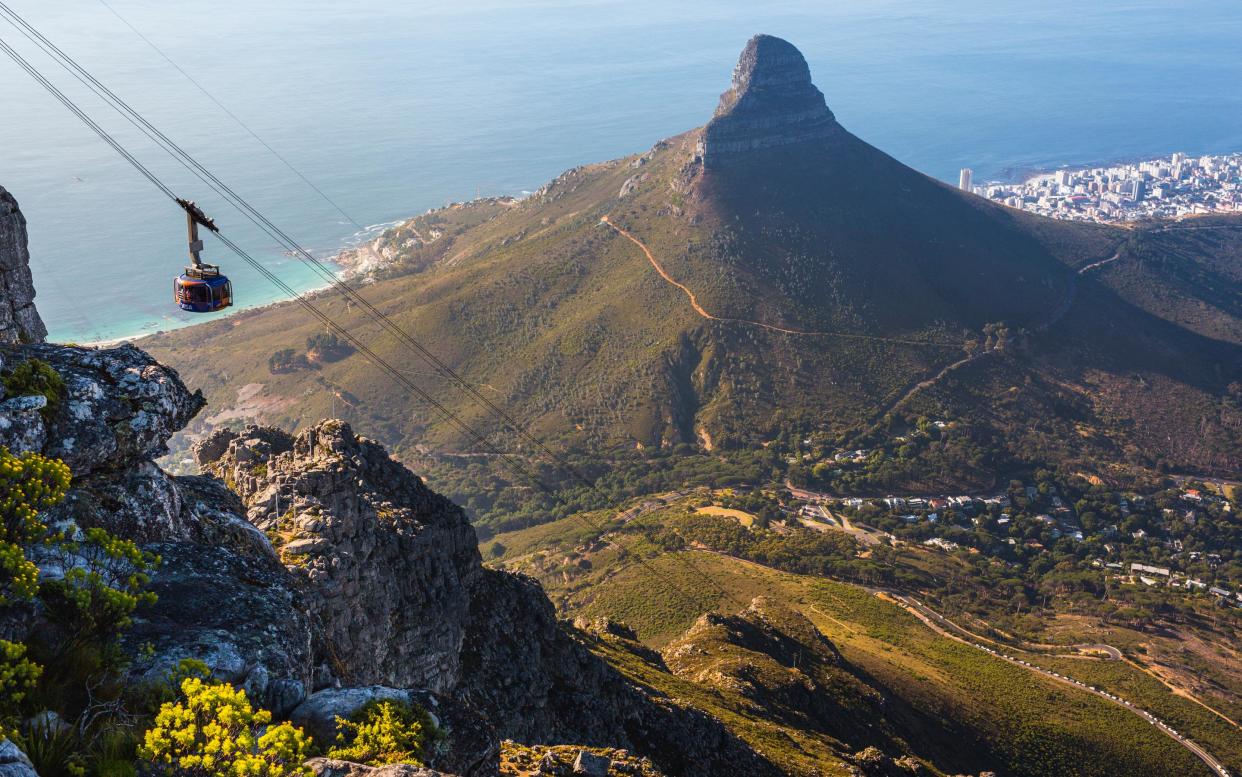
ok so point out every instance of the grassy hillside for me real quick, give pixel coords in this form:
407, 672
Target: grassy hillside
1000, 716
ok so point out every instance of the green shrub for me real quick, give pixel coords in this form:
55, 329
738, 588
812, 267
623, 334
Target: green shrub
35, 376
326, 347
104, 582
28, 484
214, 732
72, 667
18, 676
286, 360
385, 732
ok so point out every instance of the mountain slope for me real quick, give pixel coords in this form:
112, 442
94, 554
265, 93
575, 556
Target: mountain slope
813, 670
774, 217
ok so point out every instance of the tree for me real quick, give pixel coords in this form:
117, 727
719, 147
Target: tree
285, 360
326, 347
214, 732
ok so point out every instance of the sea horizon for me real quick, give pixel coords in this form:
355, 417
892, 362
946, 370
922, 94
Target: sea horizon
395, 110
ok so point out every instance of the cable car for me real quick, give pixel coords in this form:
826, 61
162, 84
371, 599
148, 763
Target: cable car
202, 288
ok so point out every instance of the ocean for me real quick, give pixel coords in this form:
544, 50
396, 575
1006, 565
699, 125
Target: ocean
392, 108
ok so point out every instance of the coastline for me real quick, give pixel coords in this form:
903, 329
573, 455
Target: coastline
346, 264
1014, 174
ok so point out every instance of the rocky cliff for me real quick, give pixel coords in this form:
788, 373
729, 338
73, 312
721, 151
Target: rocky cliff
317, 573
19, 320
771, 103
390, 576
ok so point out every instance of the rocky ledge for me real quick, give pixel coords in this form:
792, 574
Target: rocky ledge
771, 103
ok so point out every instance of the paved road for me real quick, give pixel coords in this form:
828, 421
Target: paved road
946, 628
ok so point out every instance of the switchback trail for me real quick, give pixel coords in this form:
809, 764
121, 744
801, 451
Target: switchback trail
694, 303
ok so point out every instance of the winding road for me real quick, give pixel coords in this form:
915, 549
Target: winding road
946, 628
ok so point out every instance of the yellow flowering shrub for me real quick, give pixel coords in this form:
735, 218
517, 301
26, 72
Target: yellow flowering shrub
28, 484
214, 732
18, 676
385, 732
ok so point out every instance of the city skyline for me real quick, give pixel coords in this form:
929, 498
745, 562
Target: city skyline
1171, 187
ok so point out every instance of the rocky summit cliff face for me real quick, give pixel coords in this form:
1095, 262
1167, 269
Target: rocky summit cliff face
19, 320
771, 103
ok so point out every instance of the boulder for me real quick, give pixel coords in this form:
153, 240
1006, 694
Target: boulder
330, 767
13, 762
592, 765
317, 715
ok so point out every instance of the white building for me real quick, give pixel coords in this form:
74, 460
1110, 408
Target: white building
964, 179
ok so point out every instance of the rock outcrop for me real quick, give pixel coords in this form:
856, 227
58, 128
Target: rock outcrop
385, 564
771, 103
224, 596
19, 320
390, 573
13, 762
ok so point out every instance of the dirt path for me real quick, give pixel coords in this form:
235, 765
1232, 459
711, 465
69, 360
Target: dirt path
1063, 307
1102, 262
694, 303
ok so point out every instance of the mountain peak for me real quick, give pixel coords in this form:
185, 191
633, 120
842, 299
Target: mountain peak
772, 102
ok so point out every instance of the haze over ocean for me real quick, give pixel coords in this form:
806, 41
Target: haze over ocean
393, 108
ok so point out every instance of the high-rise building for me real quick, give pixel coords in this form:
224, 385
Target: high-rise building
964, 180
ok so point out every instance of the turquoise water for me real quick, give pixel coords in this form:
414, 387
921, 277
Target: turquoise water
395, 107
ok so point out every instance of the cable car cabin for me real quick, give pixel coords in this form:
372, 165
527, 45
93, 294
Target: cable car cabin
202, 289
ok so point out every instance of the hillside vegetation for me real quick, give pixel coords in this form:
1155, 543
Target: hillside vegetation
842, 648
